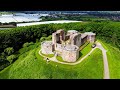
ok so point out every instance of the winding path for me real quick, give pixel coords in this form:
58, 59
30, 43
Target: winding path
105, 62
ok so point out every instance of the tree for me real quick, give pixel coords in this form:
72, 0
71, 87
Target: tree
49, 37
26, 44
37, 40
114, 38
42, 39
9, 50
44, 34
11, 58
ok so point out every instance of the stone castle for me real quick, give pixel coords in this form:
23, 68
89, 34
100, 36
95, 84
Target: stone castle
67, 45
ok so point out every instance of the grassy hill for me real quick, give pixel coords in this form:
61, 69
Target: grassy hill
30, 65
113, 55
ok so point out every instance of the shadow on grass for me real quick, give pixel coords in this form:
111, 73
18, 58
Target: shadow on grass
80, 54
5, 73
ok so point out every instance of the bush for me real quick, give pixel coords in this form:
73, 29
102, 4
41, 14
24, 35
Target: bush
9, 50
49, 37
27, 44
42, 39
37, 40
11, 58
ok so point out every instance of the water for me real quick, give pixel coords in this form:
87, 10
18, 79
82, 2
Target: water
46, 22
19, 18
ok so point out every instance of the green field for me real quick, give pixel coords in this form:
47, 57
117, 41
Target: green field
48, 55
113, 55
59, 58
85, 51
30, 65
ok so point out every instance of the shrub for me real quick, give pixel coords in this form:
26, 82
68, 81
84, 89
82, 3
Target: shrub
42, 39
9, 50
27, 44
49, 37
11, 58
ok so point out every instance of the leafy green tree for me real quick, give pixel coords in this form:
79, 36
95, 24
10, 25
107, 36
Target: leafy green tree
3, 55
27, 44
11, 58
42, 39
44, 34
37, 40
114, 38
49, 37
9, 50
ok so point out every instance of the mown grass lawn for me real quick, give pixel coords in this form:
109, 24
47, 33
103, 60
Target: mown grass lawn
32, 66
113, 55
48, 55
59, 58
85, 51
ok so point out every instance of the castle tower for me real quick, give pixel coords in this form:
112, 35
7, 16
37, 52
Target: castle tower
90, 37
58, 37
70, 53
76, 39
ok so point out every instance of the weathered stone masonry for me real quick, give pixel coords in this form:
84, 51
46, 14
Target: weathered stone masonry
67, 46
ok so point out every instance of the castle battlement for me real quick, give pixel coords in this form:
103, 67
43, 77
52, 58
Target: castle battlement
67, 45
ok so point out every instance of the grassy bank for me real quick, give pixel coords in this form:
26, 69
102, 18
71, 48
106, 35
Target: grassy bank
113, 60
30, 65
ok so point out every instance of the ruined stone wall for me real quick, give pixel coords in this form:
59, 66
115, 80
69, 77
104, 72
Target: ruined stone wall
84, 40
54, 38
47, 48
91, 38
67, 46
62, 35
67, 37
70, 56
76, 39
59, 48
58, 36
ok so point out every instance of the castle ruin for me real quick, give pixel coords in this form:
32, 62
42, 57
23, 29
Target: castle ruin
67, 44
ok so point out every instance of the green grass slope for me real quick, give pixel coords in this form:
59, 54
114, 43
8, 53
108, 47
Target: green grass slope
30, 65
113, 55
